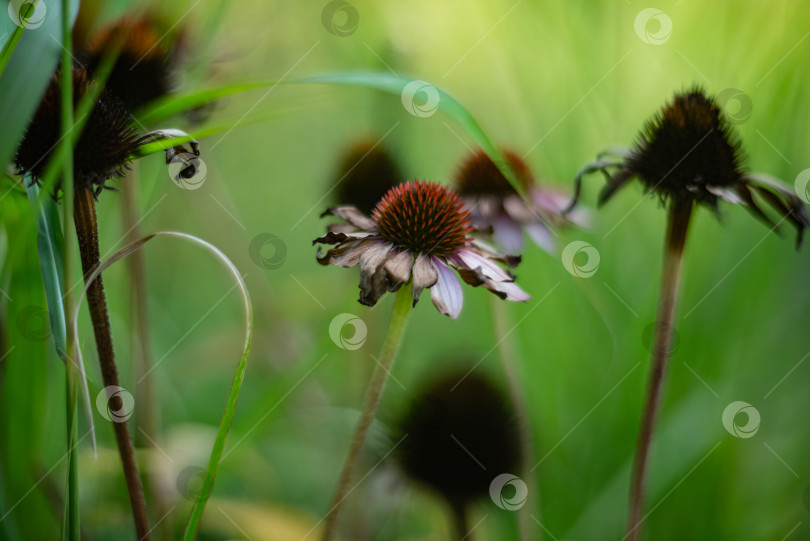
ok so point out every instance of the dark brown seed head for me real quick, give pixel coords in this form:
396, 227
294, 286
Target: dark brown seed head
366, 173
423, 217
104, 146
688, 147
479, 175
459, 409
142, 70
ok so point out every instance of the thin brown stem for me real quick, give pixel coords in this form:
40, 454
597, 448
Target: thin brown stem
87, 234
147, 406
461, 529
146, 410
678, 219
506, 351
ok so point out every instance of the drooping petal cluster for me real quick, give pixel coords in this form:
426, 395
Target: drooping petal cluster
497, 209
419, 231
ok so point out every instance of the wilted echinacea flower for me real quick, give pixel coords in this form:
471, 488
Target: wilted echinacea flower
367, 171
689, 152
460, 414
496, 207
108, 141
104, 146
419, 230
142, 71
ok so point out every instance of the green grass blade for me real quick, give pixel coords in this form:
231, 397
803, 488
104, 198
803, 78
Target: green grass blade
71, 528
25, 76
233, 395
10, 44
166, 107
49, 247
394, 84
385, 82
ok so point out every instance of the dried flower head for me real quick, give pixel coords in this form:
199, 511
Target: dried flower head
366, 173
143, 68
497, 209
419, 230
104, 147
690, 152
456, 417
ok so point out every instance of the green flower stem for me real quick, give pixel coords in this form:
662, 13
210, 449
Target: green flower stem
71, 525
87, 234
506, 350
678, 218
393, 337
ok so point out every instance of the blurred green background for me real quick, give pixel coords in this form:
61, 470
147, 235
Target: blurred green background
558, 80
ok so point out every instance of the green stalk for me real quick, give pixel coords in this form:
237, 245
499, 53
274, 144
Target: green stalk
506, 351
72, 526
393, 337
678, 218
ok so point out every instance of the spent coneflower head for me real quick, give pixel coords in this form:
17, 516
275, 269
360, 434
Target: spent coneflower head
418, 231
461, 433
103, 148
367, 171
142, 71
690, 153
497, 209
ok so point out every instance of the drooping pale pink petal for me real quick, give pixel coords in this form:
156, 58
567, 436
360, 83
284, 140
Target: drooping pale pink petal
509, 291
541, 236
372, 277
353, 216
398, 269
424, 275
549, 199
446, 294
518, 210
507, 234
348, 253
471, 260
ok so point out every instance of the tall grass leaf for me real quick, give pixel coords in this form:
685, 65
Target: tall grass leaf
49, 247
22, 82
236, 385
392, 84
